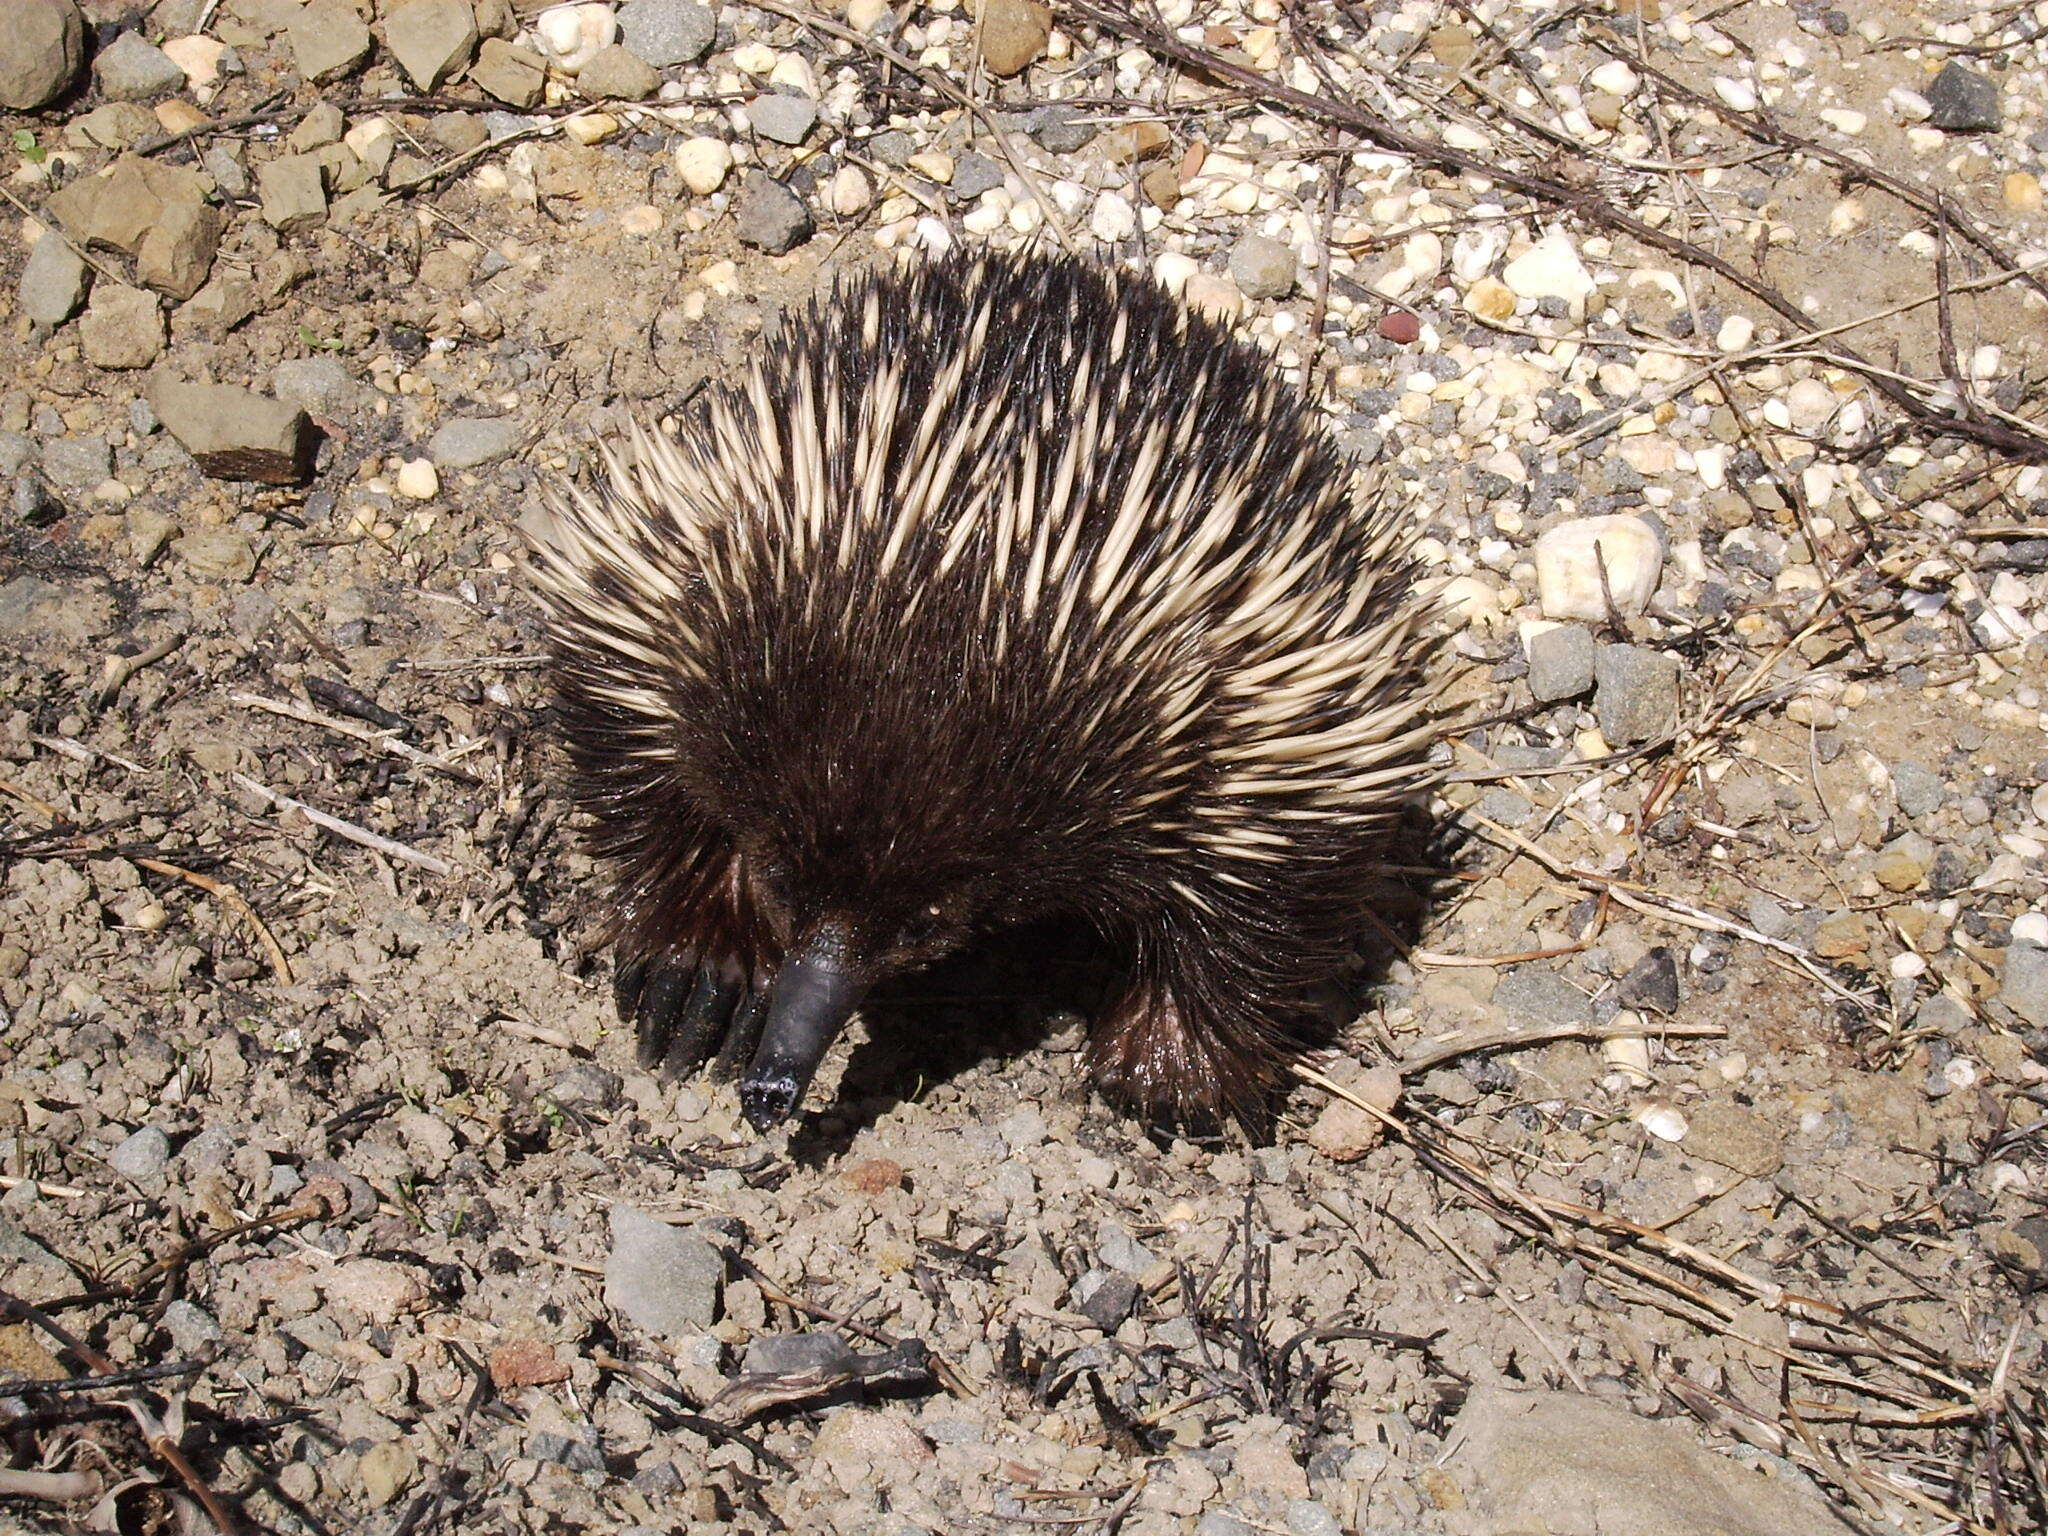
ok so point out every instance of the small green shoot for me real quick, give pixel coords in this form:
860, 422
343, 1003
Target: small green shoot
31, 151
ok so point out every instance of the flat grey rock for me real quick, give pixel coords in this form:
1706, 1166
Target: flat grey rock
663, 1280
665, 33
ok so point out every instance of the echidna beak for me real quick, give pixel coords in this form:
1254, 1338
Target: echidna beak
807, 1007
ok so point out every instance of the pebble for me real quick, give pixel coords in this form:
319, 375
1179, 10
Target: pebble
526, 1363
1262, 267
1529, 995
1736, 95
225, 555
2023, 985
1113, 219
703, 163
1735, 333
1920, 791
432, 40
511, 74
1841, 935
1636, 693
1615, 78
616, 74
1664, 1121
1560, 662
1571, 556
190, 1327
386, 1469
133, 69
2022, 191
666, 33
783, 118
142, 1156
571, 35
849, 193
1549, 269
1962, 101
123, 327
234, 433
417, 479
1343, 1132
294, 193
770, 216
1810, 405
53, 281
662, 1279
1013, 34
198, 58
328, 40
41, 50
1490, 299
468, 442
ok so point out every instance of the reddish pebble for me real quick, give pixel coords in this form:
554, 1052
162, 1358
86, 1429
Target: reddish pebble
1400, 327
873, 1176
526, 1363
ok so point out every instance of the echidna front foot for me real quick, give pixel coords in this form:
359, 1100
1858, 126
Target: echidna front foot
1161, 1060
687, 1014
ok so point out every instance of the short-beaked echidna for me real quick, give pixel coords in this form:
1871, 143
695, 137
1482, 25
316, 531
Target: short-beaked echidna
994, 588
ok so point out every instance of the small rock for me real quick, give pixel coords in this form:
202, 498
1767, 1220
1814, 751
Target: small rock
234, 433
1060, 128
319, 385
1810, 405
1530, 996
329, 40
142, 1156
616, 74
511, 74
1262, 267
526, 1363
662, 1279
665, 33
1571, 558
53, 281
1920, 791
1105, 1298
198, 58
1842, 935
1342, 1131
1902, 864
1265, 1460
1013, 34
1652, 982
1636, 693
703, 163
1400, 327
787, 119
860, 1445
2024, 985
2022, 192
973, 174
572, 34
123, 327
377, 1289
470, 441
133, 69
177, 254
1489, 299
1736, 1138
226, 555
190, 1327
294, 193
77, 464
1962, 101
849, 193
790, 1354
769, 216
1560, 662
1120, 1251
1113, 219
1549, 269
41, 49
386, 1469
416, 479
432, 40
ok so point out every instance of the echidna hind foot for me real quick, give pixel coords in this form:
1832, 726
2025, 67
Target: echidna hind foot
1164, 1062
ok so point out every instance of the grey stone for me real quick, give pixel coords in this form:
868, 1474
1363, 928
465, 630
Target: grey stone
1768, 917
514, 75
1963, 101
459, 132
190, 1327
470, 441
133, 69
177, 254
973, 174
32, 504
586, 1083
663, 1280
892, 147
616, 74
1120, 1251
1553, 1461
53, 281
234, 433
1222, 1523
142, 1156
1529, 996
328, 40
785, 118
294, 193
1060, 128
1920, 789
1652, 982
1508, 807
1105, 1298
665, 33
432, 40
1262, 267
77, 464
2024, 988
771, 217
319, 385
1561, 663
123, 327
1637, 693
219, 554
1306, 1517
17, 453
41, 49
783, 1354
223, 162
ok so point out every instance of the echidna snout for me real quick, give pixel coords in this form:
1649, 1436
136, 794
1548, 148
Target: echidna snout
993, 589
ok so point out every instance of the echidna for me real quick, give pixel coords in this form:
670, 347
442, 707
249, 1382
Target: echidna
996, 588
